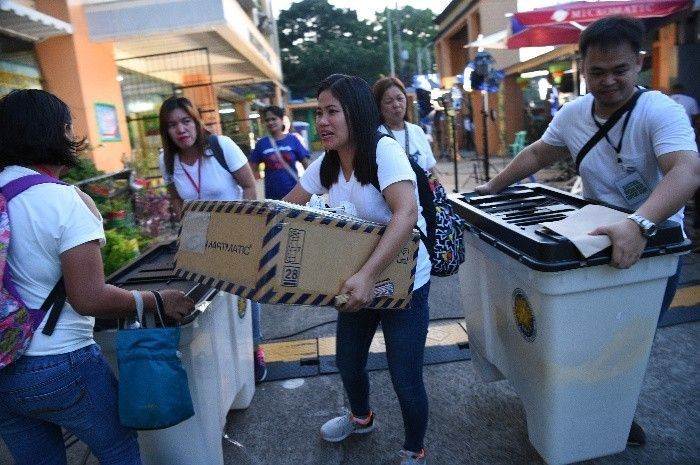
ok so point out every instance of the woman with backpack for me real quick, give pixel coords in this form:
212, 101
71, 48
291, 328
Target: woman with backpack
60, 379
444, 237
390, 97
347, 120
280, 153
198, 165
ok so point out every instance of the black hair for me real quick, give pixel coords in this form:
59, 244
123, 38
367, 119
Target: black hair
34, 130
610, 32
275, 110
362, 117
169, 148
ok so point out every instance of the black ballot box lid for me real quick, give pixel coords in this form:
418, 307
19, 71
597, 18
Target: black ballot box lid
511, 222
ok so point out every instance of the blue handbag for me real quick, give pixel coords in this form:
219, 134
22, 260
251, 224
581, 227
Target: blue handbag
153, 388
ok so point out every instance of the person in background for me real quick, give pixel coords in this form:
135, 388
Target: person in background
648, 163
347, 121
440, 143
280, 153
689, 104
390, 97
468, 132
62, 381
191, 172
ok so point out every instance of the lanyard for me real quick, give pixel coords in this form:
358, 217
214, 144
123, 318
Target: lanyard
617, 149
405, 130
197, 185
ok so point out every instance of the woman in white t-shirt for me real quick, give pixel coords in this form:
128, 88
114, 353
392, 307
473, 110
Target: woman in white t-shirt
390, 97
192, 172
61, 380
188, 165
347, 120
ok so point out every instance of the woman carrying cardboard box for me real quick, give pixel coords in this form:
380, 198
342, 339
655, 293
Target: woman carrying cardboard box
347, 120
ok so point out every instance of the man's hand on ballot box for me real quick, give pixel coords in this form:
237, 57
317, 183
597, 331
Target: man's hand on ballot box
628, 243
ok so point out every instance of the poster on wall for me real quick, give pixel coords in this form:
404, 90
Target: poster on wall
107, 122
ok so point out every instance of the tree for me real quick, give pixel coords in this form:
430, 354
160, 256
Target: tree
318, 39
413, 31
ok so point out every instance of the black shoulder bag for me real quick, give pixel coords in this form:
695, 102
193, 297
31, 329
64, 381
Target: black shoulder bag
603, 130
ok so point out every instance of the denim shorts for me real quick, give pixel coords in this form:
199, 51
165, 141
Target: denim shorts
76, 391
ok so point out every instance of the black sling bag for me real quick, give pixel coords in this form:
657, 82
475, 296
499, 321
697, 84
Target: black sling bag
603, 130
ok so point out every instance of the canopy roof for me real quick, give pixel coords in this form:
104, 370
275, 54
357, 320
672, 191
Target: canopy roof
563, 23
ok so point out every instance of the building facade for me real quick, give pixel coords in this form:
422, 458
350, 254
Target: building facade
114, 61
537, 80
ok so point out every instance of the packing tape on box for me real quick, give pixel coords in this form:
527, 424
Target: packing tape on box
275, 214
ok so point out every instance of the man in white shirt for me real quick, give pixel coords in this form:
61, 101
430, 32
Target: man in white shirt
648, 162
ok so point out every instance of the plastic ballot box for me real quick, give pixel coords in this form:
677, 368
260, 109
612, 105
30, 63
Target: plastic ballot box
572, 335
216, 346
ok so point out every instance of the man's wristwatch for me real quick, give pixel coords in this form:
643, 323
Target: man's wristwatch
648, 228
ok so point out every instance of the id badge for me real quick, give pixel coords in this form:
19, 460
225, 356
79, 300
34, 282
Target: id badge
633, 189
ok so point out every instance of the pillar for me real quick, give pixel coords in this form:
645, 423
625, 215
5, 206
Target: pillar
199, 90
242, 113
83, 74
513, 110
664, 63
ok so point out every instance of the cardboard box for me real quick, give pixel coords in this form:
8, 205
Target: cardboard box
276, 252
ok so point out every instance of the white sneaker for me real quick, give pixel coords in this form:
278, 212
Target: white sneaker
343, 426
412, 458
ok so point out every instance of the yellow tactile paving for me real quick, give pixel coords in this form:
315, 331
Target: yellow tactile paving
290, 351
463, 324
441, 334
326, 346
446, 334
686, 297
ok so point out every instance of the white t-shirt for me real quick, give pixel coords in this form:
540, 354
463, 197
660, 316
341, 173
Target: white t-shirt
657, 126
392, 166
418, 145
216, 182
47, 220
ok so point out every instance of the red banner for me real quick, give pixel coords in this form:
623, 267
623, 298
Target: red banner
540, 36
587, 12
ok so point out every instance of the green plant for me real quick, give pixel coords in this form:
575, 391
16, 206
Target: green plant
132, 232
119, 203
113, 204
119, 250
145, 160
84, 169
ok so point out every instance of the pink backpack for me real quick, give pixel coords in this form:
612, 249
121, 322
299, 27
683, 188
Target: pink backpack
17, 322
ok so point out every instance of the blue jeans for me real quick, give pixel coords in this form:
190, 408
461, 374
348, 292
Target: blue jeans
255, 316
76, 391
405, 332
